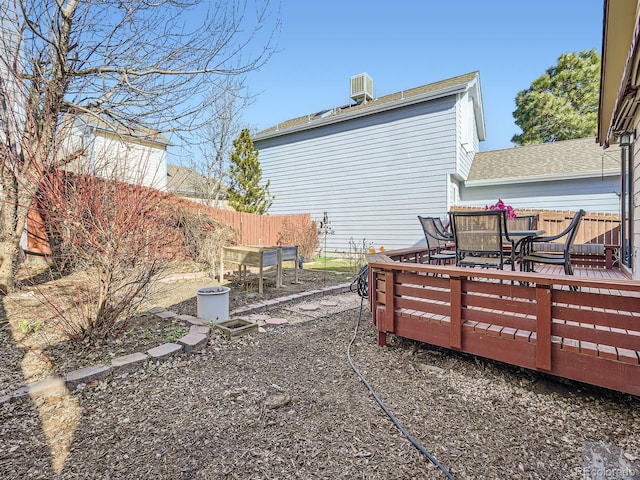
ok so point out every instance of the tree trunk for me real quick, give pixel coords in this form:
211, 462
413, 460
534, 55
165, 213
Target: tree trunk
13, 217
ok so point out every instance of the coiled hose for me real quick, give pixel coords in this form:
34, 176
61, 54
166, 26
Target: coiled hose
360, 285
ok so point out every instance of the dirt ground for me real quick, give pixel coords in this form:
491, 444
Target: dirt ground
287, 404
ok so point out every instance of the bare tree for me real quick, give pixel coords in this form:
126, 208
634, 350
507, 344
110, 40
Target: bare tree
225, 106
127, 62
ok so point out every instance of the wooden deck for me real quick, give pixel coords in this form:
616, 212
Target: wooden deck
532, 320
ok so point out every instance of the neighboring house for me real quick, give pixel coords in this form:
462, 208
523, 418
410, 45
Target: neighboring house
187, 183
375, 164
619, 115
134, 155
564, 175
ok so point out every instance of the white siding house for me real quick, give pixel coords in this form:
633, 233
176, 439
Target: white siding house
619, 115
137, 156
374, 166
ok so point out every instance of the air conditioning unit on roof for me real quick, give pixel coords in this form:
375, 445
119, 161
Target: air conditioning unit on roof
361, 88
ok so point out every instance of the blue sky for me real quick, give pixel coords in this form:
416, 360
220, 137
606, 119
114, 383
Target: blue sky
405, 44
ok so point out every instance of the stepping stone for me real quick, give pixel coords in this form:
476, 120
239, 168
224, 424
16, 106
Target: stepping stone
86, 375
155, 310
262, 323
186, 318
164, 351
276, 322
193, 342
329, 303
310, 307
127, 363
257, 317
167, 314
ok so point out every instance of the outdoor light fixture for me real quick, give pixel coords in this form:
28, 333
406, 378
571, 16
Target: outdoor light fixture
626, 138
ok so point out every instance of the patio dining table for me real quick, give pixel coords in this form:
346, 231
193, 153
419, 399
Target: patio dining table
520, 237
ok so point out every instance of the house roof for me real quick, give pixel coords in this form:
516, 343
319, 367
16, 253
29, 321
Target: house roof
138, 132
405, 97
565, 159
186, 180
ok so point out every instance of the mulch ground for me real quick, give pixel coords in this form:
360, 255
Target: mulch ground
286, 404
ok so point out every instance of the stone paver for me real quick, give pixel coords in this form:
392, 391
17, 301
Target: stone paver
203, 329
86, 375
127, 363
309, 307
49, 387
195, 321
193, 342
164, 351
276, 322
328, 303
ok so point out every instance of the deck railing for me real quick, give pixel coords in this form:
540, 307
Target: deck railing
530, 320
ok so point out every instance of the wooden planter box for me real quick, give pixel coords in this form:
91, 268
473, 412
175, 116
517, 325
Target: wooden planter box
237, 327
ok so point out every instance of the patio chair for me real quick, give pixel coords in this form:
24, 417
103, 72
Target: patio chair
479, 238
442, 230
562, 257
437, 247
520, 223
523, 222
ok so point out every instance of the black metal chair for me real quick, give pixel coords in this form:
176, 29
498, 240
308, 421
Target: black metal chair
523, 222
562, 258
479, 237
437, 244
442, 230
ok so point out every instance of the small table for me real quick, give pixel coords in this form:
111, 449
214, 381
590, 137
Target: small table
520, 236
248, 256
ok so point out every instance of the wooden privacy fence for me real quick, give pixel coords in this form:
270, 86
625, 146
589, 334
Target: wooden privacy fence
596, 227
252, 229
256, 229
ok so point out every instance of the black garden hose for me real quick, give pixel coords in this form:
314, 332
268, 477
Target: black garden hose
360, 285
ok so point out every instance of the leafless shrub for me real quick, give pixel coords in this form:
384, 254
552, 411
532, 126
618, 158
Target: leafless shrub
306, 237
112, 231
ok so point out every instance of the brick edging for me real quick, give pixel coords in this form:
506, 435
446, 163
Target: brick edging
194, 341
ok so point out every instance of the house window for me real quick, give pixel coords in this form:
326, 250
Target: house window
626, 211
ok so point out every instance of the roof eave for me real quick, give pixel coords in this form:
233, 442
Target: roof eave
619, 24
610, 172
445, 92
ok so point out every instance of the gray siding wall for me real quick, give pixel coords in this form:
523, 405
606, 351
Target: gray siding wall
592, 194
372, 175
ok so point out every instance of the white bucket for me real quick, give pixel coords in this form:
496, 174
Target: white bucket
213, 304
